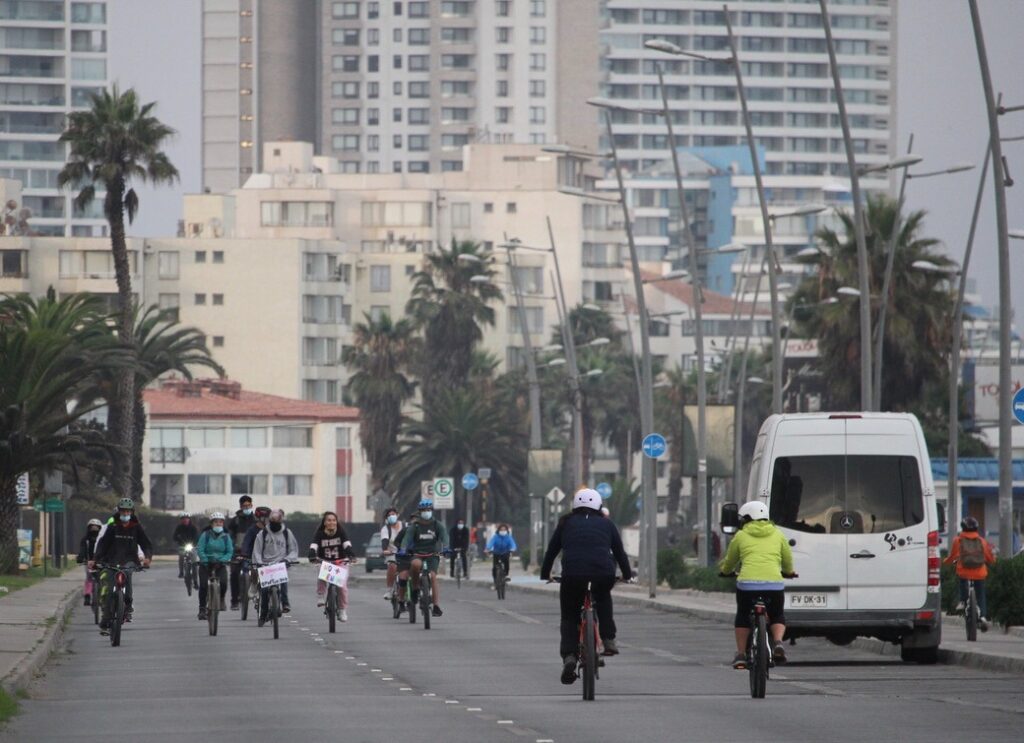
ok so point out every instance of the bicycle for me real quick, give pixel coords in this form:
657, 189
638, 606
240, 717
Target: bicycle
273, 599
588, 652
214, 600
118, 609
189, 571
500, 576
94, 591
759, 645
248, 588
457, 562
426, 597
972, 615
332, 601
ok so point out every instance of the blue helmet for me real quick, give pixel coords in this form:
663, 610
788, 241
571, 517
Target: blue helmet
424, 504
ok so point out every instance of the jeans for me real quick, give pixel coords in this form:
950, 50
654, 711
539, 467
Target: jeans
503, 559
570, 594
107, 593
465, 565
265, 599
204, 582
979, 592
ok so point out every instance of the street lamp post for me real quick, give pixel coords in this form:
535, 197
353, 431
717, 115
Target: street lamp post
1005, 309
858, 218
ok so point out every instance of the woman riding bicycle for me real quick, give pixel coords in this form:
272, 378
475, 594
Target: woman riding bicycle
501, 546
330, 542
764, 558
214, 550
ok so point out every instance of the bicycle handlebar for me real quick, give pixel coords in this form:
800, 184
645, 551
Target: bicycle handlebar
788, 576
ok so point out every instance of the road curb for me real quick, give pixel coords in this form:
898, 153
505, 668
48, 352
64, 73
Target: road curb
947, 656
36, 658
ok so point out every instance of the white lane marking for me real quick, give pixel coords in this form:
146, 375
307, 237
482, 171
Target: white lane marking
429, 694
406, 688
451, 701
506, 722
339, 652
472, 709
173, 620
387, 678
375, 670
545, 740
350, 657
362, 664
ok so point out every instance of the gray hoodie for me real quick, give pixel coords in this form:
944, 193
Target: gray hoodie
271, 547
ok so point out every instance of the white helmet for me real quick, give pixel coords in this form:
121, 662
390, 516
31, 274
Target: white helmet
755, 510
216, 515
587, 498
95, 522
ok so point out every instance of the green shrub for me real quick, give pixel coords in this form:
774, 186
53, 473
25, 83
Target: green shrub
950, 588
708, 579
1006, 591
672, 568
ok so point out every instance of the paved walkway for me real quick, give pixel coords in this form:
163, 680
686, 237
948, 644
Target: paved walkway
28, 625
996, 649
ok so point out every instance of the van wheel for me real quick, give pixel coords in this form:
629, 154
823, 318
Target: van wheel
924, 656
842, 640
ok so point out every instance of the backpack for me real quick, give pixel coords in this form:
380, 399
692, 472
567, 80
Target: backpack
972, 552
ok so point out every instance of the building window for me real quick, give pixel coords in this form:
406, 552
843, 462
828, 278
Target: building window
419, 63
502, 8
460, 216
345, 10
200, 299
248, 438
320, 390
345, 36
249, 485
419, 10
457, 35
538, 62
342, 438
419, 142
167, 264
503, 35
218, 299
534, 319
345, 116
456, 87
419, 90
510, 207
206, 484
538, 88
293, 485
538, 8
419, 36
200, 256
419, 115
320, 351
218, 256
380, 278
538, 35
502, 114
397, 214
342, 484
345, 90
345, 63
538, 115
457, 8
168, 304
419, 166
373, 63
298, 213
451, 166
502, 62
456, 61
86, 12
379, 311
218, 341
292, 437
204, 438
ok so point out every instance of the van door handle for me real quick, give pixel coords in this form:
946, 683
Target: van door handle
862, 554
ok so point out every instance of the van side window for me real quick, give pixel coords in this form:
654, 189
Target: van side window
877, 493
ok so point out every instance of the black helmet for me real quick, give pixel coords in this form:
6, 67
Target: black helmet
969, 523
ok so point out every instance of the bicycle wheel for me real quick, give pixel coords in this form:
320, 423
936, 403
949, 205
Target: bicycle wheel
243, 594
188, 576
425, 599
589, 655
212, 606
331, 607
117, 616
275, 609
96, 602
971, 613
411, 606
758, 663
458, 572
499, 581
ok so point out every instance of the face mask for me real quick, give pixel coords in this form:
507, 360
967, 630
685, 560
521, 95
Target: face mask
392, 519
461, 525
502, 533
125, 518
426, 515
218, 529
275, 526
247, 511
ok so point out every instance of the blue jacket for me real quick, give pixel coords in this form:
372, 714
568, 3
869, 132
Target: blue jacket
214, 547
590, 546
502, 545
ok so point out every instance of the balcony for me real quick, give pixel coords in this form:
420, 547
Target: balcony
175, 455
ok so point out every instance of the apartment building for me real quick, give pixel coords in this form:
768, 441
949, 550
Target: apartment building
211, 441
53, 54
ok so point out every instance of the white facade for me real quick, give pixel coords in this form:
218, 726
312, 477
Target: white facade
54, 54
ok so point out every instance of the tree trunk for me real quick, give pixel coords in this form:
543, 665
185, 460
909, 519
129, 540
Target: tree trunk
140, 439
124, 394
8, 524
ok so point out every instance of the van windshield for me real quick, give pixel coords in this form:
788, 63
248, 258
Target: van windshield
859, 494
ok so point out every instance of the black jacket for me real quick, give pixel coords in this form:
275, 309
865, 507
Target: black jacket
120, 543
185, 534
87, 547
459, 538
238, 525
588, 542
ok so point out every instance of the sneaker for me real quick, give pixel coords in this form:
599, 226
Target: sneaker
568, 669
105, 627
508, 579
234, 606
319, 603
983, 624
343, 616
286, 609
739, 661
202, 615
437, 611
778, 654
610, 648
387, 595
127, 618
959, 608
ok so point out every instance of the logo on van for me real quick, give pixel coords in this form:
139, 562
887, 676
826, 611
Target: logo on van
846, 521
891, 539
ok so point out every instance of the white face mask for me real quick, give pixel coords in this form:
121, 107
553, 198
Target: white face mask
502, 533
426, 515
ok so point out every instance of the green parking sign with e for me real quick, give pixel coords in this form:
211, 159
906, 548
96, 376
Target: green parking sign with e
444, 493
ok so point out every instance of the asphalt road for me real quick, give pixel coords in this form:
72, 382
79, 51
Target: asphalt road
487, 671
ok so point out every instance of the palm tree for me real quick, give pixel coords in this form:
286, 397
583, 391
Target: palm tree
380, 358
463, 431
113, 143
450, 308
675, 390
917, 333
53, 357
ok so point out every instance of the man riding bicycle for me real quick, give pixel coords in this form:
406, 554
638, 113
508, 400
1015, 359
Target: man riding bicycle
458, 538
972, 554
426, 538
501, 546
120, 544
763, 556
184, 533
214, 550
276, 543
591, 546
239, 525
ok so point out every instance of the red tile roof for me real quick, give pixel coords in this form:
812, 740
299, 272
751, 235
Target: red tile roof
177, 399
714, 303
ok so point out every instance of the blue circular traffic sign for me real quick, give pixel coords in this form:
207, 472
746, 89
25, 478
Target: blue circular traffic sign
1018, 405
470, 481
654, 445
604, 490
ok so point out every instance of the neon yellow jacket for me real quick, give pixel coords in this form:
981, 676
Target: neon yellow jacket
761, 551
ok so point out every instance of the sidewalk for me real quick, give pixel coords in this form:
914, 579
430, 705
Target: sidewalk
31, 624
995, 650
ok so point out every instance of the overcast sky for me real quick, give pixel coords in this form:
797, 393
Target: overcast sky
155, 47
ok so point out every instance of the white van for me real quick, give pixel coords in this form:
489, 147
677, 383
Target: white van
853, 493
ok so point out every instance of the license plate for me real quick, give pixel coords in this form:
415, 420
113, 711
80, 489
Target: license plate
808, 599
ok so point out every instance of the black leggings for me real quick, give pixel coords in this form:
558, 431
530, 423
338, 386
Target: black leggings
503, 559
571, 593
204, 582
465, 565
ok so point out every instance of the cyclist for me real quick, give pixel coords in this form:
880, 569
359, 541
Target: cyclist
426, 536
243, 555
501, 546
591, 546
240, 523
330, 542
389, 532
276, 543
458, 538
972, 555
214, 549
120, 544
184, 533
763, 556
403, 562
85, 549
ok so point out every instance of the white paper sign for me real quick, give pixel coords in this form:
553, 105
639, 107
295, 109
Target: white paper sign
22, 489
336, 574
273, 575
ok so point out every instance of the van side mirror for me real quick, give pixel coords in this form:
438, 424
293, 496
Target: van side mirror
942, 517
730, 520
